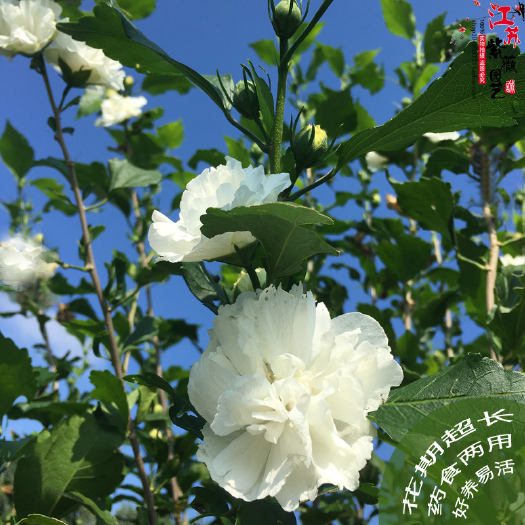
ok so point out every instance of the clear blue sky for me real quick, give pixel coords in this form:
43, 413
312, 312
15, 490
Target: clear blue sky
213, 35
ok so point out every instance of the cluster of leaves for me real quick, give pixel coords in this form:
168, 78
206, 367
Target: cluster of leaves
423, 268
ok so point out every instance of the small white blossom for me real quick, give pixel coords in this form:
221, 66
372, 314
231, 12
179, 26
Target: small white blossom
375, 161
438, 137
508, 260
27, 26
117, 109
21, 262
79, 56
224, 187
243, 282
285, 392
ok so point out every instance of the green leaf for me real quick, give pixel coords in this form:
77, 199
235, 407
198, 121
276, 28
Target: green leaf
202, 285
59, 285
428, 201
146, 397
263, 512
110, 390
267, 51
265, 99
101, 513
144, 331
277, 226
39, 519
126, 175
11, 450
334, 110
17, 377
159, 84
120, 40
424, 78
47, 412
405, 259
171, 135
237, 150
137, 8
443, 107
91, 101
399, 17
436, 41
152, 381
507, 326
80, 454
16, 152
453, 159
473, 377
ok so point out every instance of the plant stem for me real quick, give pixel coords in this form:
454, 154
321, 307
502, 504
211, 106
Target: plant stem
106, 310
158, 363
320, 12
486, 194
50, 357
325, 178
277, 133
448, 314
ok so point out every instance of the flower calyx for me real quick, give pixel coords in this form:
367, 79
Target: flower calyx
245, 99
286, 17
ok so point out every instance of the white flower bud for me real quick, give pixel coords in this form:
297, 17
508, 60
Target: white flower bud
116, 109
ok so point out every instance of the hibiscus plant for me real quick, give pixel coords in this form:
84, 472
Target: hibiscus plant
298, 389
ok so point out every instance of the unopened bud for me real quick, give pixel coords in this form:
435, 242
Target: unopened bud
309, 145
375, 161
287, 18
110, 92
128, 81
245, 100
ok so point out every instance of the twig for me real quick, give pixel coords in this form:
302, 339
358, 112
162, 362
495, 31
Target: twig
115, 359
448, 314
158, 363
486, 194
50, 357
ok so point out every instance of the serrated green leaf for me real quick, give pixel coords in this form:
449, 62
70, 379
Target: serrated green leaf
405, 259
473, 377
171, 135
152, 381
16, 152
120, 40
109, 390
446, 105
91, 101
202, 285
267, 51
428, 201
277, 226
143, 332
17, 377
399, 17
80, 454
102, 514
158, 84
39, 519
263, 512
126, 175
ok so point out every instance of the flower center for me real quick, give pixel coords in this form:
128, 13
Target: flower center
269, 372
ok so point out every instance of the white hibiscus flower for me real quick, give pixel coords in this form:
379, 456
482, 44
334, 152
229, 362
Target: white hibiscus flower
285, 392
27, 26
79, 56
224, 187
21, 262
117, 109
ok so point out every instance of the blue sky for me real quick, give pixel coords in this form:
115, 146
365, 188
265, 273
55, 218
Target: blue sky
214, 35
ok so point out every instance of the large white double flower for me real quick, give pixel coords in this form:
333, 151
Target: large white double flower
21, 262
27, 26
116, 109
285, 392
224, 187
79, 56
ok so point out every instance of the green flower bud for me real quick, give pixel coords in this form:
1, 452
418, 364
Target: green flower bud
286, 20
245, 100
309, 145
